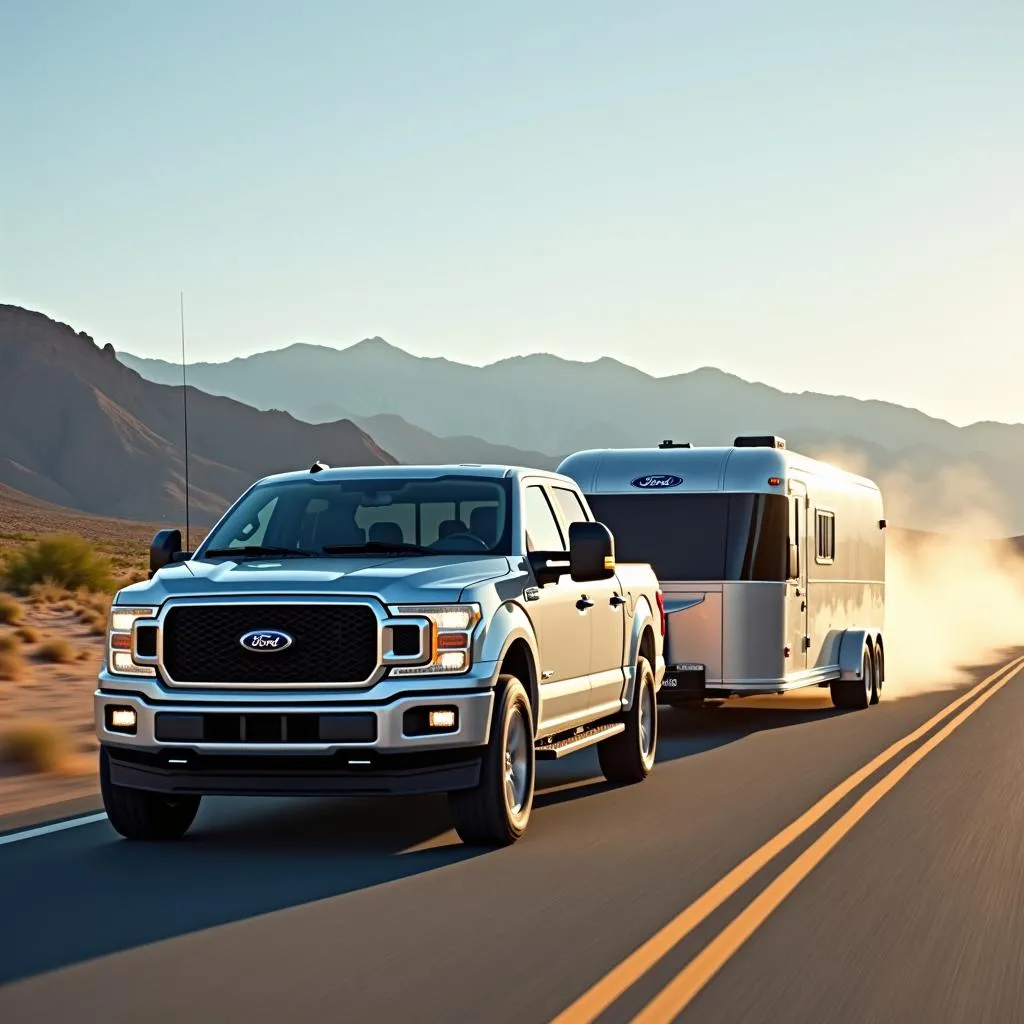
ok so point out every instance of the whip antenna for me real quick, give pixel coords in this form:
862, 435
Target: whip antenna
184, 407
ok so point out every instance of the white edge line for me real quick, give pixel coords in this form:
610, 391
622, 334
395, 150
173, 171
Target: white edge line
45, 830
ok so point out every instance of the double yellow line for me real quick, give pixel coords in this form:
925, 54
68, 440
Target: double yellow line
685, 986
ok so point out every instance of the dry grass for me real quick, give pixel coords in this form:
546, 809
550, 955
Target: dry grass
11, 611
35, 746
28, 634
12, 666
57, 651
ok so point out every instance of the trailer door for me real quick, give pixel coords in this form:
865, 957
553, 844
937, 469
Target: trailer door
796, 585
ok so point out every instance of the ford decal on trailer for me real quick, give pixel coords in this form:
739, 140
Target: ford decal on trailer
656, 481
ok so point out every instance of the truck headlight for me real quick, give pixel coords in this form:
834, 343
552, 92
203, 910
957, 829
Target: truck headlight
123, 642
451, 638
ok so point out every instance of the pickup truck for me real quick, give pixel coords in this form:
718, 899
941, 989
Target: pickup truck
380, 631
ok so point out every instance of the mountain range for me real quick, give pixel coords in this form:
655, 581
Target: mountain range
535, 409
81, 430
91, 429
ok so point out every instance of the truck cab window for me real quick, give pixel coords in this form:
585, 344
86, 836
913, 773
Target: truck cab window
542, 530
570, 505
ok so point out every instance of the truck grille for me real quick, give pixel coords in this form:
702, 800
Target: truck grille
330, 644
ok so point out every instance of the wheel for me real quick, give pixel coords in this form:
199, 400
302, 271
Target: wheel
497, 810
628, 757
856, 694
877, 676
142, 815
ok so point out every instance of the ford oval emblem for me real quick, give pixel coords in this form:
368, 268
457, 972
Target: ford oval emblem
656, 481
265, 640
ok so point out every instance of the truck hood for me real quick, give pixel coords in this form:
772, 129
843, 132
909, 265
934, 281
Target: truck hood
395, 580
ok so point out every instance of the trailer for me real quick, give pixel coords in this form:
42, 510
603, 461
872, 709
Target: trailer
772, 564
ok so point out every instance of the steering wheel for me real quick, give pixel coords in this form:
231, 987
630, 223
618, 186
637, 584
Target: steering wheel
471, 537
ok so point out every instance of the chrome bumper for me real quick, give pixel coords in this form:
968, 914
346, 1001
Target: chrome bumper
380, 714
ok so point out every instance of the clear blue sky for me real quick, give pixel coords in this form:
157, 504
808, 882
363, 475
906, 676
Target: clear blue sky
820, 196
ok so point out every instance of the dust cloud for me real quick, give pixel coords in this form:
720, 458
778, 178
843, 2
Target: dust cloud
955, 596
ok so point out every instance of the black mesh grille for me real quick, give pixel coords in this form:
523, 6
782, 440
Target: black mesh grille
330, 644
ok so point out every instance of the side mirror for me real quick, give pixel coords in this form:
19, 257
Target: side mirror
591, 552
163, 550
794, 562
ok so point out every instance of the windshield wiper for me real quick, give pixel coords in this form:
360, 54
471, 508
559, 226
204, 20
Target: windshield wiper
261, 549
387, 547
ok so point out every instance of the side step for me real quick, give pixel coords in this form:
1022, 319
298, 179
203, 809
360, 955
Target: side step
578, 741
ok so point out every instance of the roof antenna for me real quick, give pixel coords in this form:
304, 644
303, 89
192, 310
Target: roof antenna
184, 404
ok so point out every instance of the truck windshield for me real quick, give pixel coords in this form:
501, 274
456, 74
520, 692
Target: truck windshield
699, 536
455, 515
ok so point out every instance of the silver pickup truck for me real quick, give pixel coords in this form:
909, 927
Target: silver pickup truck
371, 631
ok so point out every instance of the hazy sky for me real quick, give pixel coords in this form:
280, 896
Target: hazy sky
819, 196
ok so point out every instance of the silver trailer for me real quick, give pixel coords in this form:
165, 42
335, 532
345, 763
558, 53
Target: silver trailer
772, 564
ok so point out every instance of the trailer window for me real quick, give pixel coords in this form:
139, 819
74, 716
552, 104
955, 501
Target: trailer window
825, 536
699, 536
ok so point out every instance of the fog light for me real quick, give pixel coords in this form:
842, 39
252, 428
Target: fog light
452, 661
442, 719
122, 720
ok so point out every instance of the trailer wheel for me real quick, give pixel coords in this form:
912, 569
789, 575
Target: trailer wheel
876, 692
139, 814
497, 810
628, 757
856, 694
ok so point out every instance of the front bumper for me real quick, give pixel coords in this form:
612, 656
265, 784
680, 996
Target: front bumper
355, 773
375, 741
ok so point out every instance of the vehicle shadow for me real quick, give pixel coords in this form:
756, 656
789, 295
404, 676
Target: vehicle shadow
685, 732
86, 893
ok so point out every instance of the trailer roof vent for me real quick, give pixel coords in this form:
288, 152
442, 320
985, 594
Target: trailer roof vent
318, 467
675, 444
760, 441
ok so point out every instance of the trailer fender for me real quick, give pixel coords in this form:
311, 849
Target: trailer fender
851, 651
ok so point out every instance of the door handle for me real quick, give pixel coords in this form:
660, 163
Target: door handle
616, 600
584, 603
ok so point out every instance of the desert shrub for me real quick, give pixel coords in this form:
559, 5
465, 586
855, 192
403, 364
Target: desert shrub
12, 665
10, 611
34, 746
46, 593
9, 642
64, 560
58, 651
28, 635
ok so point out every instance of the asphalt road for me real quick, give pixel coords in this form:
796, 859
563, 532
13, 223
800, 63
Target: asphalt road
905, 906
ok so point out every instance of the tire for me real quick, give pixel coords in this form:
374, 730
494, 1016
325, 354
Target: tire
497, 810
141, 815
856, 694
876, 695
628, 757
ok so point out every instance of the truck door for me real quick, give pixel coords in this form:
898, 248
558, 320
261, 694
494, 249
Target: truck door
562, 619
607, 632
796, 585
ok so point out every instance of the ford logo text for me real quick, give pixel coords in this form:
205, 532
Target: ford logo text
265, 640
656, 481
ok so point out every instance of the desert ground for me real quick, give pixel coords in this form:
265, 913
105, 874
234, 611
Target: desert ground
51, 645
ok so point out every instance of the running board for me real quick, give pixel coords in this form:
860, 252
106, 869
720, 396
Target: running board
578, 741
